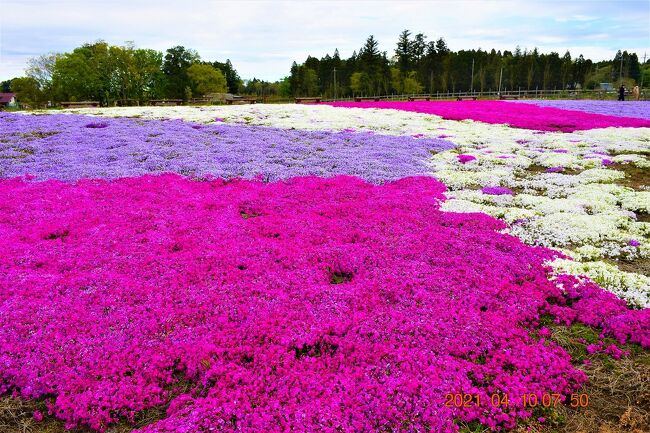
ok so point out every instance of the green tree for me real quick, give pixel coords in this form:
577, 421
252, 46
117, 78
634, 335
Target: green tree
309, 82
232, 77
75, 78
27, 90
284, 88
418, 47
148, 78
411, 84
175, 64
403, 51
634, 68
206, 79
357, 83
396, 80
375, 66
567, 71
137, 75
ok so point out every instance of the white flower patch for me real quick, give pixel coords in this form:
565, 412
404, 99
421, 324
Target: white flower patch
638, 201
552, 159
564, 228
632, 287
637, 160
510, 215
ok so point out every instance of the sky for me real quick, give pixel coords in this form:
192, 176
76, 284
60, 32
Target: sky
263, 38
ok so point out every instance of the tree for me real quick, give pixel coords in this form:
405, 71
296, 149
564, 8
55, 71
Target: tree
403, 51
27, 90
177, 60
634, 68
375, 66
396, 80
441, 47
149, 80
411, 84
41, 69
357, 83
232, 77
75, 79
309, 82
284, 88
418, 47
206, 79
567, 70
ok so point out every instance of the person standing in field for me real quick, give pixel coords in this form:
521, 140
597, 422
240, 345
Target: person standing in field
635, 93
621, 93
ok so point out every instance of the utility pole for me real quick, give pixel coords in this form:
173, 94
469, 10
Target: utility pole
500, 77
644, 56
431, 82
621, 71
472, 85
335, 84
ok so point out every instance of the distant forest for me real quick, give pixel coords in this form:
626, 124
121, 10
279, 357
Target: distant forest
129, 75
421, 66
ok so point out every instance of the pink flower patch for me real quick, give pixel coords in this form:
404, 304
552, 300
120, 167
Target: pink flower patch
274, 306
464, 158
518, 115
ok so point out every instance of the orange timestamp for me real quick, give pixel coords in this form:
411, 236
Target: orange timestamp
504, 400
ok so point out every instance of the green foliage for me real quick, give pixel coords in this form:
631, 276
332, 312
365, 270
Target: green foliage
27, 91
411, 84
232, 77
177, 60
123, 75
358, 83
284, 87
421, 65
206, 79
303, 81
138, 76
405, 83
403, 51
109, 74
5, 86
645, 75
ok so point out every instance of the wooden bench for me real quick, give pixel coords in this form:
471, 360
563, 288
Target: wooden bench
419, 98
466, 98
165, 102
80, 104
308, 100
366, 98
201, 101
508, 97
242, 100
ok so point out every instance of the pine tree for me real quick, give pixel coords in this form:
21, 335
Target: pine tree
403, 51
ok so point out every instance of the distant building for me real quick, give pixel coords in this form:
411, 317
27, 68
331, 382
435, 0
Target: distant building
7, 99
606, 87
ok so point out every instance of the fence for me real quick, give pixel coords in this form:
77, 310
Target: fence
521, 94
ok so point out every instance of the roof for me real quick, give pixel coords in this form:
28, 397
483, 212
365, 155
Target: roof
6, 97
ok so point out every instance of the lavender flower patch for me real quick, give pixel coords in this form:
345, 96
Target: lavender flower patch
639, 109
72, 147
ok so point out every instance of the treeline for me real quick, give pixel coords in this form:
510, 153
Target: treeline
123, 75
127, 75
425, 66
